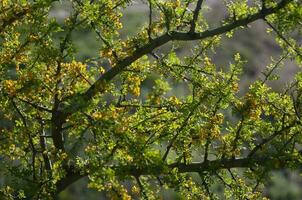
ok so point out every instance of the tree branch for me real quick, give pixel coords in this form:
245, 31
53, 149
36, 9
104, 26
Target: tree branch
195, 16
280, 35
38, 107
79, 101
270, 138
198, 167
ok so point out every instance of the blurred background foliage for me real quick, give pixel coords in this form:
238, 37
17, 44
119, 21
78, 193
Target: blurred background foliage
256, 47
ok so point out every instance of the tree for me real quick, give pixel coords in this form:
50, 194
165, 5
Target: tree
63, 119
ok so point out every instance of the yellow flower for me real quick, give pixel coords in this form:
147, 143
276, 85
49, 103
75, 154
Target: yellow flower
254, 114
207, 61
136, 91
106, 53
97, 115
10, 87
101, 70
174, 100
5, 3
176, 4
218, 118
235, 87
135, 190
33, 38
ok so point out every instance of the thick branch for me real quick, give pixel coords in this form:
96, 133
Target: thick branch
198, 167
79, 101
58, 118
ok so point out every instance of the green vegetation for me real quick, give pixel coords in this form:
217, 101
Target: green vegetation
110, 115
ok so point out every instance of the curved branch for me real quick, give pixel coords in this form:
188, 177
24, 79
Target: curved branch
198, 167
79, 101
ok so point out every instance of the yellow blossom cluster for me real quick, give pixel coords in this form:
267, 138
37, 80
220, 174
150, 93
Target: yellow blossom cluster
5, 3
135, 190
97, 115
175, 101
211, 130
134, 85
122, 194
10, 87
106, 52
9, 46
252, 107
74, 67
235, 87
33, 37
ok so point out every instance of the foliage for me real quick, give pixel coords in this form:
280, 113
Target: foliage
68, 119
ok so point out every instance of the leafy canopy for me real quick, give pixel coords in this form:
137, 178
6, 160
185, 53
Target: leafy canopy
64, 118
